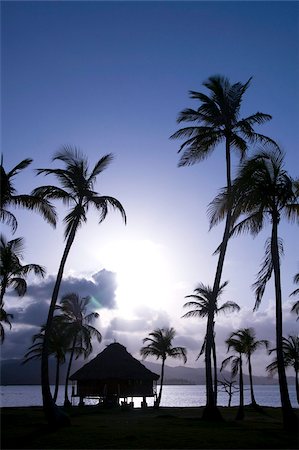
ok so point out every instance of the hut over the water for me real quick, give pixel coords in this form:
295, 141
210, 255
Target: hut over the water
114, 374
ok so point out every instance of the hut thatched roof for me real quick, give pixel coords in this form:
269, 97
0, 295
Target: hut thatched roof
114, 362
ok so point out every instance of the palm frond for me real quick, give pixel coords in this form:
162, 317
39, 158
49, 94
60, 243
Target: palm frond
9, 219
265, 272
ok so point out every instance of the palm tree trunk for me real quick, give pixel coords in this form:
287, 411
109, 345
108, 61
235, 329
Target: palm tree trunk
56, 380
161, 384
240, 413
215, 371
210, 411
253, 402
52, 416
66, 398
297, 385
289, 418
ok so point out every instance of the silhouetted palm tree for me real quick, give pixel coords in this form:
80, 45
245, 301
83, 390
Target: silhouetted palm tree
290, 348
160, 346
58, 346
4, 319
13, 274
78, 329
78, 193
9, 197
250, 345
218, 121
295, 307
201, 306
263, 191
235, 342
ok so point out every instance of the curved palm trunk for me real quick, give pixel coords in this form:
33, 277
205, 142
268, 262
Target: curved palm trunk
53, 417
161, 384
289, 418
253, 402
66, 397
210, 411
56, 380
240, 413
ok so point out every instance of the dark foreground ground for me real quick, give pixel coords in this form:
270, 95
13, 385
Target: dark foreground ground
176, 428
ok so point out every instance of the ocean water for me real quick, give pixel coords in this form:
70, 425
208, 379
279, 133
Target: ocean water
172, 395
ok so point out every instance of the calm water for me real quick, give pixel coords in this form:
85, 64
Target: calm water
179, 396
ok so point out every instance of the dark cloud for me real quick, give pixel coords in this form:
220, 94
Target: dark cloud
101, 288
17, 341
33, 313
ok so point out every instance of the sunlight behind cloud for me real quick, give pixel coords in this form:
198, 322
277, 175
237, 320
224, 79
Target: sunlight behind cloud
143, 274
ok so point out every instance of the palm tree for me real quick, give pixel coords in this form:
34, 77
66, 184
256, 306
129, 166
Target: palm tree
236, 361
263, 191
5, 319
12, 272
218, 119
58, 345
78, 193
250, 345
77, 325
295, 307
290, 349
201, 305
9, 197
160, 346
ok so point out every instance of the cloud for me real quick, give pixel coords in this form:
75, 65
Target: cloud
101, 288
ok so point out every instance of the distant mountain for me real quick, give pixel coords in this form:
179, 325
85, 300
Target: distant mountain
189, 375
14, 373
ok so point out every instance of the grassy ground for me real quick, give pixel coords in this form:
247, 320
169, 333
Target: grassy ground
179, 428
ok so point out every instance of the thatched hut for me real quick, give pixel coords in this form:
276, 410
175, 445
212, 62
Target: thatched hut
114, 374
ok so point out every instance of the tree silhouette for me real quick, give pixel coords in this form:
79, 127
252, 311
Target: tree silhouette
218, 121
76, 321
10, 198
13, 274
290, 348
235, 342
263, 191
295, 307
201, 307
78, 193
250, 345
160, 346
58, 345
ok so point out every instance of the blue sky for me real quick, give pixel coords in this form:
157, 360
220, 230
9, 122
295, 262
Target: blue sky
112, 77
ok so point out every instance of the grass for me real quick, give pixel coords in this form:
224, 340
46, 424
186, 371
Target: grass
180, 428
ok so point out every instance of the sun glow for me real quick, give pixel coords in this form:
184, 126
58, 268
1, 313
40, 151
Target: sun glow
142, 273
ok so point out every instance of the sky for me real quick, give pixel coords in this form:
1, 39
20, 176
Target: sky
112, 77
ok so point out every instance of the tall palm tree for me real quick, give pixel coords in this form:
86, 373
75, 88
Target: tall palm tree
77, 192
250, 345
218, 121
9, 197
12, 272
264, 191
290, 349
201, 306
58, 345
236, 361
160, 346
77, 321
